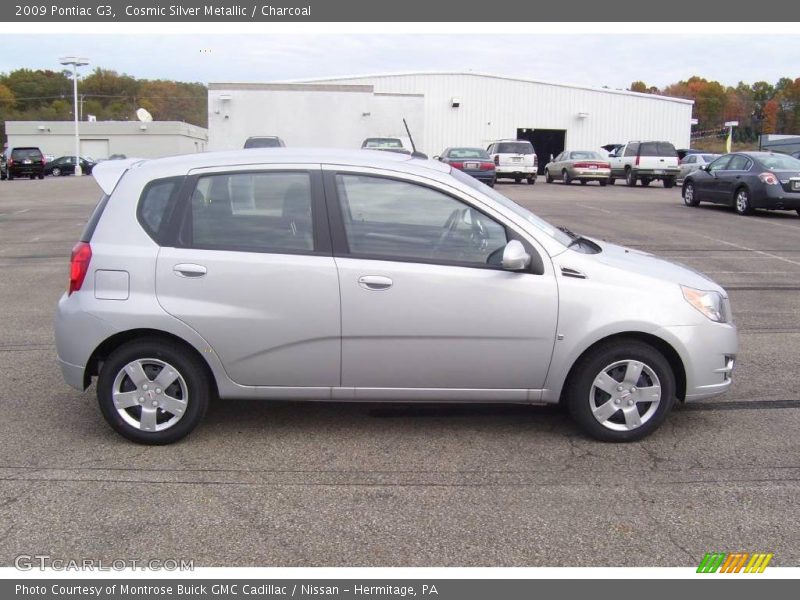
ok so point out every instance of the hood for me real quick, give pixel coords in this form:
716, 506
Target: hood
648, 265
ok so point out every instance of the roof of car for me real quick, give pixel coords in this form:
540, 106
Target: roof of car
107, 173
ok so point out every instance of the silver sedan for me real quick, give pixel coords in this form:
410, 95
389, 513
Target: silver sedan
693, 162
578, 165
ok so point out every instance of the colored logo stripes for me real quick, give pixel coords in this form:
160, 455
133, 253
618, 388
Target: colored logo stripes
735, 562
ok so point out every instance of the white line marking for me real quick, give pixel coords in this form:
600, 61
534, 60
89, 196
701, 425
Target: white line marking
775, 256
19, 212
595, 208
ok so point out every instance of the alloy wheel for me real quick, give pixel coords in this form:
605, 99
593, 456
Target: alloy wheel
625, 395
150, 394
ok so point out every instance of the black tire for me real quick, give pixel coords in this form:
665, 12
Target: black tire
741, 202
41, 175
644, 181
32, 176
565, 177
797, 210
531, 180
492, 182
547, 177
669, 182
689, 194
192, 372
611, 181
517, 179
603, 183
10, 176
630, 178
56, 172
590, 366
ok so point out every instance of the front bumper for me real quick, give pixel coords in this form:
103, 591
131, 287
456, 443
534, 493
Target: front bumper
708, 353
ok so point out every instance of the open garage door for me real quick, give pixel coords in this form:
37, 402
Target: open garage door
97, 149
546, 142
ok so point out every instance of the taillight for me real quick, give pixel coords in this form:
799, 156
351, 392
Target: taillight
535, 160
768, 178
457, 165
487, 166
79, 265
603, 166
10, 162
637, 160
497, 159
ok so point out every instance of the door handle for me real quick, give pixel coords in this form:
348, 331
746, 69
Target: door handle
374, 282
189, 270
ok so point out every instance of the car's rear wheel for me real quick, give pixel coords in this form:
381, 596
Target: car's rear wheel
547, 177
603, 183
630, 178
611, 181
583, 182
531, 180
621, 391
152, 391
689, 196
565, 177
517, 179
742, 202
55, 172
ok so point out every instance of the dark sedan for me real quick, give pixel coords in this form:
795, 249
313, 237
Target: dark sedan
473, 161
746, 181
65, 165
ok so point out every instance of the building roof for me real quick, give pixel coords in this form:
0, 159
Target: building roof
490, 76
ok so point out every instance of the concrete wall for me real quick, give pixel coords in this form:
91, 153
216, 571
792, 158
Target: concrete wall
309, 115
100, 139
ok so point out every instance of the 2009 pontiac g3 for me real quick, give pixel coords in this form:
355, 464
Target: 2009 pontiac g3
366, 276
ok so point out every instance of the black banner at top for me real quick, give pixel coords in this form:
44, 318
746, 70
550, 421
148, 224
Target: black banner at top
465, 11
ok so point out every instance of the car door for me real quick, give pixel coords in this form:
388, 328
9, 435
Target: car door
709, 186
731, 177
251, 271
426, 308
688, 165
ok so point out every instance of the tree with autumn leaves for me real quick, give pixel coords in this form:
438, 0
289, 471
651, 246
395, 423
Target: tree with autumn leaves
760, 107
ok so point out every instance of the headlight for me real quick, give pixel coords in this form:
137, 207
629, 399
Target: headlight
711, 304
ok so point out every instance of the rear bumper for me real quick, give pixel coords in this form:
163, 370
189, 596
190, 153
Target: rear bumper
657, 173
484, 176
590, 173
515, 171
26, 170
72, 374
777, 198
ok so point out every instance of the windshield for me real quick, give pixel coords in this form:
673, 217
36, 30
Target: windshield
515, 148
382, 143
468, 153
262, 143
780, 162
585, 155
540, 224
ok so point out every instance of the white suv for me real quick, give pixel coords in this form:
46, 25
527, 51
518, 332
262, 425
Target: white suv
514, 159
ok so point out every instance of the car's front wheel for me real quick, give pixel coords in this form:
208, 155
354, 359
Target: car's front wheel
621, 391
152, 391
547, 177
689, 195
565, 177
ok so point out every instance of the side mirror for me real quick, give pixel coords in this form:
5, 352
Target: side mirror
515, 258
437, 157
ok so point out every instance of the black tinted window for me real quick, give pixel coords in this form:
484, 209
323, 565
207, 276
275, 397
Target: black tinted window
468, 153
657, 149
23, 153
257, 212
262, 143
395, 219
156, 203
514, 148
631, 150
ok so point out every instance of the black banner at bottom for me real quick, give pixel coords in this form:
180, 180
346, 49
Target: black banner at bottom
373, 589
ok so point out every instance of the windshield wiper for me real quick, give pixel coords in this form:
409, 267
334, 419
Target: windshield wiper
569, 232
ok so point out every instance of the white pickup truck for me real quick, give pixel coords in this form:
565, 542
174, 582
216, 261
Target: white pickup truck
645, 162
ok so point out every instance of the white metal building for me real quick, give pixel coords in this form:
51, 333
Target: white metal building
443, 109
101, 139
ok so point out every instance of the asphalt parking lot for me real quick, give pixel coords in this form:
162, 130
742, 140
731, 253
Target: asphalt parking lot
279, 484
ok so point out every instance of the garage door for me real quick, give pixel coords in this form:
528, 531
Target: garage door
94, 148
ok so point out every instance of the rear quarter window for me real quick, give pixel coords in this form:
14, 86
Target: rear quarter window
156, 205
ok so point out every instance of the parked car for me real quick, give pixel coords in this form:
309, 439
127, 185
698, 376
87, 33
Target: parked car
387, 144
368, 276
578, 165
795, 154
264, 141
65, 165
514, 159
645, 162
684, 152
691, 162
117, 157
473, 161
22, 161
746, 181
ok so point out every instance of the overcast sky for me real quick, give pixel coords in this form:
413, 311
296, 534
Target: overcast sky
594, 60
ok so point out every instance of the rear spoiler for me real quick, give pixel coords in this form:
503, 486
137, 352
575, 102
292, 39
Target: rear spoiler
108, 173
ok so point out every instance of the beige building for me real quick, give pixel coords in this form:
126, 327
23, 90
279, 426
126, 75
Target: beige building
101, 139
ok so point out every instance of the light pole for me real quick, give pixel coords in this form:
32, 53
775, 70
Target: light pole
75, 62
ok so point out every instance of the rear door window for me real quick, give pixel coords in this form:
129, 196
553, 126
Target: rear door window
739, 163
251, 212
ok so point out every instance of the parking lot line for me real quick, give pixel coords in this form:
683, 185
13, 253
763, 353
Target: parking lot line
741, 247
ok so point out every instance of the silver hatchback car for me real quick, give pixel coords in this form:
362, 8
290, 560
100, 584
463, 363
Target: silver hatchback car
369, 276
